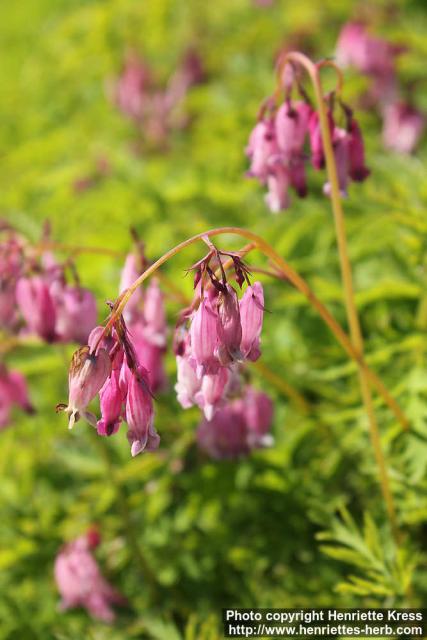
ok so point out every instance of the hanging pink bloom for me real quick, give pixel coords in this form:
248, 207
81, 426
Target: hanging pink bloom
140, 413
188, 384
132, 86
258, 410
212, 392
261, 148
297, 176
369, 54
149, 354
111, 403
80, 582
291, 126
356, 151
252, 315
237, 427
13, 392
316, 142
130, 272
76, 313
37, 307
278, 183
403, 127
88, 373
225, 435
342, 160
229, 329
154, 315
204, 338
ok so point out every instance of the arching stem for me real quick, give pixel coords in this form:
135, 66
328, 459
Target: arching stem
347, 278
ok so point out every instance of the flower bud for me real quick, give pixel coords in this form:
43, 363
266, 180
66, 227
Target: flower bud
229, 327
262, 146
131, 271
356, 151
37, 307
88, 372
252, 314
258, 411
140, 413
225, 436
80, 582
278, 182
342, 161
111, 401
154, 315
204, 338
188, 384
76, 313
291, 126
212, 391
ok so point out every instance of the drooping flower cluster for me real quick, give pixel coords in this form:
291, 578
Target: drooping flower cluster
279, 144
80, 581
212, 339
13, 393
109, 366
375, 58
123, 364
36, 299
155, 110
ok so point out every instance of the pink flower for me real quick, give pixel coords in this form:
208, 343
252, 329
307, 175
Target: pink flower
111, 403
149, 353
252, 314
342, 160
88, 373
291, 125
131, 88
212, 391
37, 307
80, 582
76, 313
261, 148
140, 413
154, 315
356, 151
204, 338
225, 436
403, 127
130, 272
316, 142
258, 410
229, 329
237, 427
278, 183
188, 384
369, 54
13, 392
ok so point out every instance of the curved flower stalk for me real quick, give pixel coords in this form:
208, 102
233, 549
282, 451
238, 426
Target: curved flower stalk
277, 145
335, 188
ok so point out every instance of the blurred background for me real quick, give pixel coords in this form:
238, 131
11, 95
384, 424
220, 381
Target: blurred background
301, 523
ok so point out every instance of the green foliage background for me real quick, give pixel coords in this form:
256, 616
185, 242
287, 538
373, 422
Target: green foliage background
182, 535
